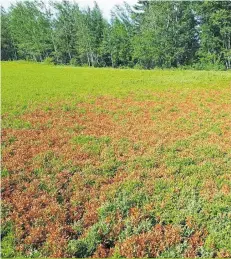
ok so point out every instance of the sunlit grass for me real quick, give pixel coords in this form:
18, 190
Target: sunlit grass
124, 162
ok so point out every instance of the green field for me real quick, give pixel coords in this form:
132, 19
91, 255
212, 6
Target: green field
115, 163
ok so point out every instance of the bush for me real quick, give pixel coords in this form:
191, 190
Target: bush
73, 62
85, 247
78, 248
48, 61
7, 242
138, 66
208, 66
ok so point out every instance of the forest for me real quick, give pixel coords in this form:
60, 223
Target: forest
150, 34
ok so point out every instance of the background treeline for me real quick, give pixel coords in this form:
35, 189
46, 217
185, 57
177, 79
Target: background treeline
163, 34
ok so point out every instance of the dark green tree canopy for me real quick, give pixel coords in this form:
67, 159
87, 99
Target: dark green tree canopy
150, 34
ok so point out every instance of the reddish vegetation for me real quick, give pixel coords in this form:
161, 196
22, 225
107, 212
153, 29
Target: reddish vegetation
150, 244
195, 241
44, 204
103, 251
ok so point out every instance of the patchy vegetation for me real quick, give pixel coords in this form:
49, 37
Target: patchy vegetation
122, 163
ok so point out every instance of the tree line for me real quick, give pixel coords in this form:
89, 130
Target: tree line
164, 34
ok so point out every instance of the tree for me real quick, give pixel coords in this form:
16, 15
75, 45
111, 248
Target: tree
121, 44
65, 30
139, 10
30, 30
167, 35
96, 27
8, 51
121, 36
150, 34
90, 33
215, 32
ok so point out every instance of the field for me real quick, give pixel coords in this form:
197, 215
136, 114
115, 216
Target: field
115, 163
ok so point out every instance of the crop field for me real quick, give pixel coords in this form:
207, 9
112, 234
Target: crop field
115, 163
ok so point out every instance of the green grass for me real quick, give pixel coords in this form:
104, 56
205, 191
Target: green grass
25, 84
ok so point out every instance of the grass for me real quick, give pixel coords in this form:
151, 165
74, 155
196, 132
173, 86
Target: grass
43, 83
115, 163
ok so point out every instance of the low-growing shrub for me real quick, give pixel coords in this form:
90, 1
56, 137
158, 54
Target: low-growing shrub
48, 61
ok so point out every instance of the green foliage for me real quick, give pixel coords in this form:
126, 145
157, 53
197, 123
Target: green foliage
8, 50
167, 37
165, 34
85, 247
16, 123
207, 65
36, 41
127, 196
4, 173
7, 241
49, 61
78, 248
219, 229
91, 144
73, 62
214, 51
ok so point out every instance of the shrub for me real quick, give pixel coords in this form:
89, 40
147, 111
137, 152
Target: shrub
150, 244
73, 62
7, 241
86, 247
48, 61
77, 248
138, 66
208, 66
